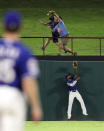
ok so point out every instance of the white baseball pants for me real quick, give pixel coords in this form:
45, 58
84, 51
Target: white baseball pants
12, 109
76, 95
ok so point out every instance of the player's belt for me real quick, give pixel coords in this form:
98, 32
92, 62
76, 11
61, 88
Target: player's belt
73, 90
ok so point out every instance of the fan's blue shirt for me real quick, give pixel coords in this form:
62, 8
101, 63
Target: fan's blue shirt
60, 27
16, 62
71, 84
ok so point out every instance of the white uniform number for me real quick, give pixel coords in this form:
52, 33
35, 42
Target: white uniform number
7, 73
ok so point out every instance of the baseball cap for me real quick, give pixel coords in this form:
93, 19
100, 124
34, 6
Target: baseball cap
69, 74
12, 20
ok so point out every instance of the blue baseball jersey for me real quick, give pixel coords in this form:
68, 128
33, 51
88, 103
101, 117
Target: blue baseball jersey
71, 84
16, 62
60, 27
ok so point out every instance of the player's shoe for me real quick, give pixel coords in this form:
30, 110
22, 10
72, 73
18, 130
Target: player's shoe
85, 114
42, 47
69, 117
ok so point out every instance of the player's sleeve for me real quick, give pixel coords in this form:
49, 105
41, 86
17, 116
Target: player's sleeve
72, 83
29, 65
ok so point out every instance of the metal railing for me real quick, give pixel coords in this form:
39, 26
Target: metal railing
72, 43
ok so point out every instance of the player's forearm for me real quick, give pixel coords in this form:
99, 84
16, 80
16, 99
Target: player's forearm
76, 72
72, 84
75, 67
31, 89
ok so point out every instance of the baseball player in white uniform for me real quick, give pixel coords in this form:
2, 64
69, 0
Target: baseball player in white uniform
73, 93
18, 74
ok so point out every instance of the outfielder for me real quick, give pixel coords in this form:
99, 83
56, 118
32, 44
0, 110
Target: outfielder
18, 74
73, 92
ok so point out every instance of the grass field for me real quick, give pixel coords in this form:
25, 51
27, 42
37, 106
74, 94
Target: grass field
65, 126
78, 20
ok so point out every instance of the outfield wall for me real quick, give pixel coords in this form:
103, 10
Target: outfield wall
54, 93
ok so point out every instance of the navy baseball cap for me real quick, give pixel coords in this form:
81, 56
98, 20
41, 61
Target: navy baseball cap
12, 20
69, 74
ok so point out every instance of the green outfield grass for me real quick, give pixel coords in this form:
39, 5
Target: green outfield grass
79, 22
65, 126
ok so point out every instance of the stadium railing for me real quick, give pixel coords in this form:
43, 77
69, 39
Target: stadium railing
72, 41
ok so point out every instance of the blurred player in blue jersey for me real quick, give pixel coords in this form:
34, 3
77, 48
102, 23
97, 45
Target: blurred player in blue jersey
73, 93
60, 27
18, 74
53, 22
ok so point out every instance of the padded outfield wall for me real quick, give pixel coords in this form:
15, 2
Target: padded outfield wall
54, 93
